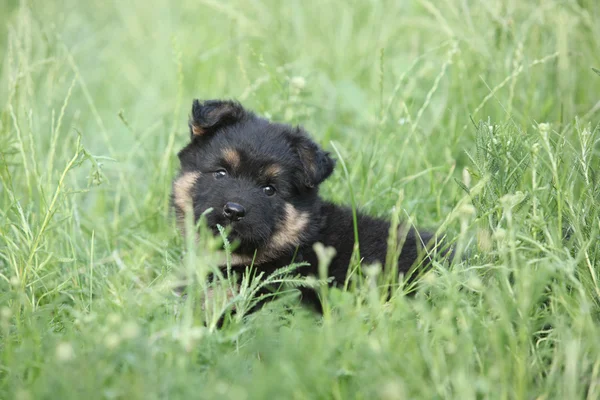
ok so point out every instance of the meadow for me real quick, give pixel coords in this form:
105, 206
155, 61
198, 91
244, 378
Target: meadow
479, 119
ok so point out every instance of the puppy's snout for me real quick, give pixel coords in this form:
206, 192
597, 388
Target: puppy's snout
234, 211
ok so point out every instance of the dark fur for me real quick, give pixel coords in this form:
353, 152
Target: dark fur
274, 228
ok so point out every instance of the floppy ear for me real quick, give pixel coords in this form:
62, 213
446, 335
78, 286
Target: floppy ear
317, 164
211, 115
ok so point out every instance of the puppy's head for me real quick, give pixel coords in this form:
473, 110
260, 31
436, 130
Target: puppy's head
257, 178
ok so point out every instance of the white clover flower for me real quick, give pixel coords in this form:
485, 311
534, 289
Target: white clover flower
475, 283
112, 340
372, 271
64, 352
544, 128
429, 278
130, 330
113, 319
298, 83
446, 313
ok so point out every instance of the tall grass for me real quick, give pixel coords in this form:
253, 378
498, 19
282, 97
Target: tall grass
479, 118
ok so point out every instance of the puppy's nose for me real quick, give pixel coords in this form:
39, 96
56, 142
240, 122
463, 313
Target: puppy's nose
234, 211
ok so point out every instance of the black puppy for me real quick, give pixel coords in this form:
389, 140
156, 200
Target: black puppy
261, 180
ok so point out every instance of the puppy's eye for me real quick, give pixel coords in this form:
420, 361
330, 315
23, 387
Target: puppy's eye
269, 190
221, 173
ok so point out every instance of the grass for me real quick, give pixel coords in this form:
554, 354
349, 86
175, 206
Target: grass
480, 118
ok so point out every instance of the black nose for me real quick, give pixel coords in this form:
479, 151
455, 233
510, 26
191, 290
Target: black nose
234, 211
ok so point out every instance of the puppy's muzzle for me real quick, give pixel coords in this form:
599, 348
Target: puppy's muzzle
234, 211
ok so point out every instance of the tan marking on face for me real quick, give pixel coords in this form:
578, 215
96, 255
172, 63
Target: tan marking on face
290, 231
182, 195
231, 157
273, 171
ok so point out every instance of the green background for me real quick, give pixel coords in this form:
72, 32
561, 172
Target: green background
478, 117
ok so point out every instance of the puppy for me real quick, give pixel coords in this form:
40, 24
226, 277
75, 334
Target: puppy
261, 180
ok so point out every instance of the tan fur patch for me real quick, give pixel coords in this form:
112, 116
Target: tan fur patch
231, 157
272, 171
289, 232
197, 131
236, 259
182, 195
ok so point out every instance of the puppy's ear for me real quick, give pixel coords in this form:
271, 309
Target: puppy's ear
211, 115
317, 164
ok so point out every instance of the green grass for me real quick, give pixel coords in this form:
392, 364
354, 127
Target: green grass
478, 117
